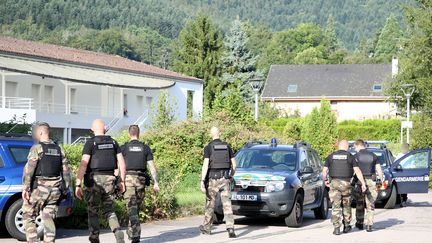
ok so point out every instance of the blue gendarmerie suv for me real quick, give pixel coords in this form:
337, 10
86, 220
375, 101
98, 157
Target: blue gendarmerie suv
279, 181
14, 149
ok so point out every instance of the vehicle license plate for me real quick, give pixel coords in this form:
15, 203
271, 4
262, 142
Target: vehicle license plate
245, 197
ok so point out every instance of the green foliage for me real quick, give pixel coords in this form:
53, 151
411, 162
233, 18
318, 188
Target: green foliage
239, 63
233, 105
292, 131
164, 114
268, 112
370, 130
416, 59
421, 136
15, 125
320, 129
199, 54
388, 42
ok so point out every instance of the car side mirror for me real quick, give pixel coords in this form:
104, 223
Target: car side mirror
307, 170
398, 167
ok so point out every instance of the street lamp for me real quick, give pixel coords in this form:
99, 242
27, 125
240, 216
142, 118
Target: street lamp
256, 84
408, 90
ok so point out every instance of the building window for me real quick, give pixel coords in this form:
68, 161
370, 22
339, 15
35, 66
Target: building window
149, 101
378, 87
292, 88
48, 98
140, 101
36, 95
73, 101
189, 104
11, 89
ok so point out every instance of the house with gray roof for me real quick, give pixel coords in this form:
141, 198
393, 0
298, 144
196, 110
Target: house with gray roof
356, 91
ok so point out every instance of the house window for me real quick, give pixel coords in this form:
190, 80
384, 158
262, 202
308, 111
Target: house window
292, 88
378, 87
149, 101
11, 89
73, 101
36, 95
189, 104
48, 98
140, 101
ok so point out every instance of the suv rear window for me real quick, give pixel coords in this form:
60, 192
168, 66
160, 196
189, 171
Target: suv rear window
19, 154
278, 160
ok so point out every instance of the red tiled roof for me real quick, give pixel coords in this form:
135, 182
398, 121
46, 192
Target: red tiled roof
83, 57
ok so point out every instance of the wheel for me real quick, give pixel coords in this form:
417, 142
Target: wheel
295, 217
322, 211
14, 222
391, 201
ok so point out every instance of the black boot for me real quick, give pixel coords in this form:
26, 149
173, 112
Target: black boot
231, 233
135, 240
369, 228
347, 228
359, 226
336, 231
204, 231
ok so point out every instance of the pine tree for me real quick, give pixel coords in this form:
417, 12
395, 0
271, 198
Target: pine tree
239, 63
328, 129
388, 41
199, 54
330, 39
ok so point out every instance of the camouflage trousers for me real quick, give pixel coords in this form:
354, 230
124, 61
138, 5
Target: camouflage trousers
101, 193
216, 186
340, 197
134, 196
367, 198
42, 199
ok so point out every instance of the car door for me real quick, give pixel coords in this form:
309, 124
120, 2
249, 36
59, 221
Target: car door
306, 178
411, 172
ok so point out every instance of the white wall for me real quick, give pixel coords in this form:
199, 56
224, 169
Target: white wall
344, 110
95, 101
179, 91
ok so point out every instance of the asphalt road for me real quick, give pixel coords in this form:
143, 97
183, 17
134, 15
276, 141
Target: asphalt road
410, 224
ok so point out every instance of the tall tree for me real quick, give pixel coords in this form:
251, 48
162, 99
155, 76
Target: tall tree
387, 45
238, 62
199, 53
416, 59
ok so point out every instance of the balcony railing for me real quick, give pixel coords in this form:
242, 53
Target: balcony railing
16, 103
49, 107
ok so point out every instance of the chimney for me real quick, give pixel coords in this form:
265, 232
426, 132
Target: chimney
395, 66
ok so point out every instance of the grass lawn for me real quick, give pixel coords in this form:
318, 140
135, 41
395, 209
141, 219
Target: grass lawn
189, 197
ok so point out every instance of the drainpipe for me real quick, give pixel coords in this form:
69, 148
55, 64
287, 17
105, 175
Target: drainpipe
3, 84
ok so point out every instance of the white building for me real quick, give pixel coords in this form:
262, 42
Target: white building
68, 88
356, 91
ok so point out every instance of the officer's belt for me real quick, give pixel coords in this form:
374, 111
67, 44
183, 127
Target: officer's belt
48, 178
341, 178
218, 173
103, 172
135, 172
372, 177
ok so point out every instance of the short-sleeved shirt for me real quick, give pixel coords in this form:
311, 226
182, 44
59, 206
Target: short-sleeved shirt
89, 146
350, 157
148, 155
207, 149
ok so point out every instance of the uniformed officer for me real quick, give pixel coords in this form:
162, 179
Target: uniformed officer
101, 161
46, 177
137, 156
338, 171
218, 168
370, 166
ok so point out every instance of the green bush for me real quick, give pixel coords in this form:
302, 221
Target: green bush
370, 130
178, 152
292, 130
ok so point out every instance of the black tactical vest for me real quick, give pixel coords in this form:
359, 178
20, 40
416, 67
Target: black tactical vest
50, 163
219, 156
135, 156
366, 163
104, 157
340, 166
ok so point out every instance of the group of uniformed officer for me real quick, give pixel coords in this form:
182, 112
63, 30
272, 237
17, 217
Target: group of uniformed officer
342, 172
105, 167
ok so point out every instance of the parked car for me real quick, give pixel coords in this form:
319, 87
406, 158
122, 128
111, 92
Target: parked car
278, 181
409, 174
14, 149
